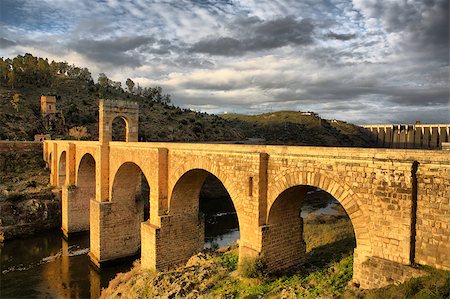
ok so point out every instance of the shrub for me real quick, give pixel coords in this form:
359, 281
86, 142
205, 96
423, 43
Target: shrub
229, 261
31, 184
252, 267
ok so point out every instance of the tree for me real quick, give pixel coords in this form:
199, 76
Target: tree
12, 81
130, 85
79, 132
103, 80
15, 102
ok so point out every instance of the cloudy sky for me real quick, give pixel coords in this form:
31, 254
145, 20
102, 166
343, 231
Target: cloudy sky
364, 61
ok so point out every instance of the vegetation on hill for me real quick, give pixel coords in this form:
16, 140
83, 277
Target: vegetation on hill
299, 128
24, 79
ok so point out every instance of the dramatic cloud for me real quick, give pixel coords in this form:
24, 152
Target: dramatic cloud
362, 60
339, 36
119, 51
253, 34
6, 43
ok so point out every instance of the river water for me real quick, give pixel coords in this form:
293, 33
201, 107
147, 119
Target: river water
48, 266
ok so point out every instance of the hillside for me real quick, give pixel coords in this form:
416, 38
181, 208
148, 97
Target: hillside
78, 102
299, 128
25, 78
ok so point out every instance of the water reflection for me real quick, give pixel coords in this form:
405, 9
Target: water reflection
221, 230
51, 267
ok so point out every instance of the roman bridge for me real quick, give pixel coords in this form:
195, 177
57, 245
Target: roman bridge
397, 200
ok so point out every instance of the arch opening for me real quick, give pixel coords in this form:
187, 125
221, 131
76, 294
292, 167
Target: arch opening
307, 226
62, 169
85, 191
119, 129
130, 198
202, 206
220, 217
49, 163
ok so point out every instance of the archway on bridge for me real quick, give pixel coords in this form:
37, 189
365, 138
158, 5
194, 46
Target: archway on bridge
202, 206
62, 169
119, 129
85, 191
307, 227
220, 218
130, 199
49, 163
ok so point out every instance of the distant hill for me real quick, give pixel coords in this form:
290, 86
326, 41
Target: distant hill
25, 78
299, 128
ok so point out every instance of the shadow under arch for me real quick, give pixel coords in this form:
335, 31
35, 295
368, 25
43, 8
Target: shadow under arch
185, 214
119, 128
130, 204
340, 191
283, 218
86, 189
62, 169
49, 162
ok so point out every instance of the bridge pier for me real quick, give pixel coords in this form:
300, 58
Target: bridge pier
75, 210
374, 272
172, 243
283, 246
114, 231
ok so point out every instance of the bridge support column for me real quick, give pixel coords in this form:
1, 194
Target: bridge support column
283, 246
114, 231
374, 272
173, 242
75, 210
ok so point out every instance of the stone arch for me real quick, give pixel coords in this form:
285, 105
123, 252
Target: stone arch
127, 207
339, 190
85, 191
109, 110
208, 166
49, 161
192, 180
62, 169
126, 122
187, 225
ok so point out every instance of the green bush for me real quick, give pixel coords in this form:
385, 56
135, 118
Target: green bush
252, 267
229, 260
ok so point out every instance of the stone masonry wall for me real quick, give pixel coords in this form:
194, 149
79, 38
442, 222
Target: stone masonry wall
377, 273
433, 215
284, 247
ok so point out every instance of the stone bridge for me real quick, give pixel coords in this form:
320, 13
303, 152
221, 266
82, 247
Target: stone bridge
397, 200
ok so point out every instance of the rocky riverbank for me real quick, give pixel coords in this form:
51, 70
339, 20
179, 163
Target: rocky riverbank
26, 214
27, 202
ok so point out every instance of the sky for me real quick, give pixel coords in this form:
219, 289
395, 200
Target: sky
362, 61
